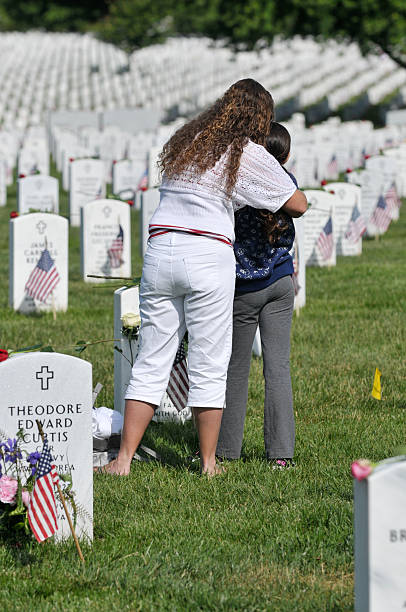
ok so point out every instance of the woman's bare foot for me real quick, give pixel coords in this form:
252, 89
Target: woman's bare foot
216, 470
115, 467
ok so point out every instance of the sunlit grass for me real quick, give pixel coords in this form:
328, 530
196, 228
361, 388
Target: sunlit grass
254, 539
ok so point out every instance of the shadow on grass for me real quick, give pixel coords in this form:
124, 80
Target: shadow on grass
19, 547
173, 442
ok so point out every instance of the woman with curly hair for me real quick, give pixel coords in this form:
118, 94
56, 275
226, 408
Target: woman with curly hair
212, 165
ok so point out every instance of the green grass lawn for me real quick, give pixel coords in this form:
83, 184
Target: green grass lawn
253, 539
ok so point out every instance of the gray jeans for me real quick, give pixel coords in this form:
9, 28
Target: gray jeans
272, 309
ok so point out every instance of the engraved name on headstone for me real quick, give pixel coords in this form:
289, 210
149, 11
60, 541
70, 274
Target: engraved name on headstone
57, 390
380, 538
105, 239
38, 263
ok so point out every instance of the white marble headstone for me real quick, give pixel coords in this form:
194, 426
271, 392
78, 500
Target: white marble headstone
387, 167
316, 220
127, 174
299, 265
34, 284
349, 197
305, 167
38, 192
149, 204
33, 159
372, 184
3, 182
126, 300
85, 185
380, 539
105, 239
57, 390
399, 156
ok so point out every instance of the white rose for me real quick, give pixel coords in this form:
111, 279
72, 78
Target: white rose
131, 320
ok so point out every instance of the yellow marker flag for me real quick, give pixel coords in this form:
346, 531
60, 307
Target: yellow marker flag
377, 389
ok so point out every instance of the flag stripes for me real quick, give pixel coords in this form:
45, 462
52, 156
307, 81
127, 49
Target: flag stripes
381, 216
391, 198
325, 241
115, 252
178, 384
143, 182
356, 226
41, 513
43, 279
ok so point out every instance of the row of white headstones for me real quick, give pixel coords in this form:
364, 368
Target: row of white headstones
68, 71
105, 221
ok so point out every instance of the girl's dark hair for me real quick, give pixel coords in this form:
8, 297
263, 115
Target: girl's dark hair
277, 143
244, 112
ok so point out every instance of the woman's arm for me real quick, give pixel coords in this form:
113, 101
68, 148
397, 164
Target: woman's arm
296, 206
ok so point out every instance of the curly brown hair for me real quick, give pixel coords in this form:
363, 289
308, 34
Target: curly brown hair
243, 113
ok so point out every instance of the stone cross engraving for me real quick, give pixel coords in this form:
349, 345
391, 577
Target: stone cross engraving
45, 376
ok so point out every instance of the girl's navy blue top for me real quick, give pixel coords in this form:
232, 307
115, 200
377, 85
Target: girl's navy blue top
259, 263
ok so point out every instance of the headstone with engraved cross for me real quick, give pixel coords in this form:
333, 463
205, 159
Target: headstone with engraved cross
105, 240
38, 263
38, 192
85, 185
57, 390
380, 538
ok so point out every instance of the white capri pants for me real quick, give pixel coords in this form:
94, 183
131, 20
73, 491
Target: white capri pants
187, 284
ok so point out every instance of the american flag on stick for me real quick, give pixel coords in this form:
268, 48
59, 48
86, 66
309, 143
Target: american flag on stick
178, 385
356, 226
381, 216
41, 513
325, 241
115, 252
391, 198
332, 166
43, 279
143, 182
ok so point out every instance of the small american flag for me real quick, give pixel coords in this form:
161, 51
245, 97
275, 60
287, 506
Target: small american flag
381, 216
41, 513
143, 182
115, 252
356, 226
178, 385
325, 241
332, 167
391, 198
43, 279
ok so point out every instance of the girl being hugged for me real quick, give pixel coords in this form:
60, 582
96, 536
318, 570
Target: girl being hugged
211, 165
264, 297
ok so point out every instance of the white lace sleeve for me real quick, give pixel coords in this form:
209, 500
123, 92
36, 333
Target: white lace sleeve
261, 181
